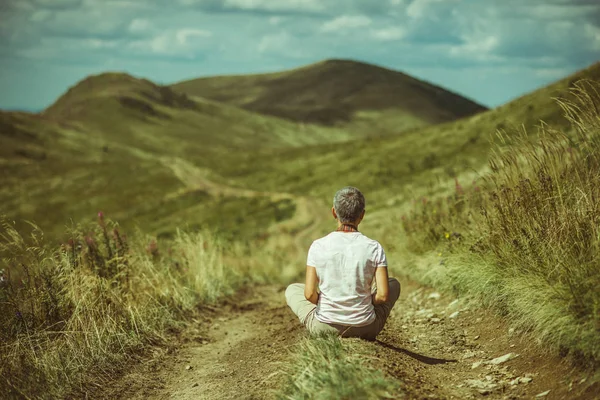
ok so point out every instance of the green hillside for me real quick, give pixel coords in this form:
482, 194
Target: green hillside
159, 119
396, 169
112, 141
110, 144
362, 97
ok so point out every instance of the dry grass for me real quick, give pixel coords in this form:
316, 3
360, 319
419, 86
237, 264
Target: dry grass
71, 317
528, 241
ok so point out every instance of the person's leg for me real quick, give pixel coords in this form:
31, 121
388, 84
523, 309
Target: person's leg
386, 308
294, 295
304, 309
382, 312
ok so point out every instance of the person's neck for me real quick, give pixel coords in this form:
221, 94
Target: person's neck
347, 227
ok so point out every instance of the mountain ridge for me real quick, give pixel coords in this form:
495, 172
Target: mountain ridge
336, 92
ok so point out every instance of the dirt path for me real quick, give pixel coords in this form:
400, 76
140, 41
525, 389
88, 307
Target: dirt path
308, 213
436, 346
443, 349
237, 352
233, 353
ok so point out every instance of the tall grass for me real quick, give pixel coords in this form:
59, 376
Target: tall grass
327, 368
70, 317
529, 243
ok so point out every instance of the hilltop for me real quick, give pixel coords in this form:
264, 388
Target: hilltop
139, 105
353, 94
395, 169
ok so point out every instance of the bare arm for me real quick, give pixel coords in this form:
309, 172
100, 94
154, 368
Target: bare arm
383, 287
310, 289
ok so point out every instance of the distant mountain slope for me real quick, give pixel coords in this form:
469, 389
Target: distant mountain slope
398, 168
338, 92
142, 113
105, 145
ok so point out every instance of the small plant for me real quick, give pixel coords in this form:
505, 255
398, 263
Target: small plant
330, 368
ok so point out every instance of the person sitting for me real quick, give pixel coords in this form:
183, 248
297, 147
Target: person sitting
343, 264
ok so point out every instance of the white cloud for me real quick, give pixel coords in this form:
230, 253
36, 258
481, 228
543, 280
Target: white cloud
57, 4
275, 5
53, 48
140, 25
476, 46
276, 20
421, 8
593, 33
388, 34
271, 6
80, 22
184, 35
346, 22
40, 16
186, 43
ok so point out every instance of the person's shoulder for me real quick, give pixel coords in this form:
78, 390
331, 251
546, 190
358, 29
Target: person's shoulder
371, 241
322, 240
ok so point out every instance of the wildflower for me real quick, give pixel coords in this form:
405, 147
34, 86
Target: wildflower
101, 218
439, 254
447, 235
90, 241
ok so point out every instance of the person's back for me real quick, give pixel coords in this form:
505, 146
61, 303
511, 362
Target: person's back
344, 264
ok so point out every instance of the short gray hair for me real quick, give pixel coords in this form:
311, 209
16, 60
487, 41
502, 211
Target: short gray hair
348, 203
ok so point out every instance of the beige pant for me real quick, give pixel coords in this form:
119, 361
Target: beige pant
305, 310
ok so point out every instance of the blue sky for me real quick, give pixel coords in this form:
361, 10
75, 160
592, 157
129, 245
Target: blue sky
488, 50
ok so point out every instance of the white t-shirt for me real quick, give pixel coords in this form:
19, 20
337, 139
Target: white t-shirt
346, 263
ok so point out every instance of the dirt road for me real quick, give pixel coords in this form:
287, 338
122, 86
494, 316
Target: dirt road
436, 346
237, 352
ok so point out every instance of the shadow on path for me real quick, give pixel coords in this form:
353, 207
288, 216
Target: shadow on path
416, 356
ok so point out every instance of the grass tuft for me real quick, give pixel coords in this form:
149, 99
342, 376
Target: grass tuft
328, 367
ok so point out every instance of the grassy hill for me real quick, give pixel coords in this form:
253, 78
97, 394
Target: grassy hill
148, 115
359, 96
392, 169
111, 141
109, 144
